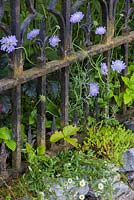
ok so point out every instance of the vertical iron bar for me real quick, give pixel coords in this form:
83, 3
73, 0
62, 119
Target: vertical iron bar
3, 159
16, 120
16, 92
41, 132
65, 37
108, 19
41, 89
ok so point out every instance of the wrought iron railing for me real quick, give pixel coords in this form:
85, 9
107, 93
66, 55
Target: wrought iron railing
66, 57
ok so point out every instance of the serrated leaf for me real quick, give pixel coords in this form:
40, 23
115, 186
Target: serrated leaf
29, 148
5, 133
70, 130
40, 150
125, 80
58, 135
11, 144
118, 99
127, 98
72, 141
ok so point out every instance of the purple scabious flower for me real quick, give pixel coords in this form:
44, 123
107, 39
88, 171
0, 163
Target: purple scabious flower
32, 34
104, 69
76, 17
100, 30
54, 40
8, 43
118, 65
94, 89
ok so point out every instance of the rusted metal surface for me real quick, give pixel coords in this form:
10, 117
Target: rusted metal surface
16, 122
16, 62
3, 159
41, 87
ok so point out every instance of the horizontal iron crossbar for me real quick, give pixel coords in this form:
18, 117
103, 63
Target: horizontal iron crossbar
52, 66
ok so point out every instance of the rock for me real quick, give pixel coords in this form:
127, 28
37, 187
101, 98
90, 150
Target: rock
128, 165
125, 190
65, 191
122, 192
129, 125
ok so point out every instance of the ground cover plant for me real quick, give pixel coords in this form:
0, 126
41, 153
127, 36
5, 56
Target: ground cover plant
79, 155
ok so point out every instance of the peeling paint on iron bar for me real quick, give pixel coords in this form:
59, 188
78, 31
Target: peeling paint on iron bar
52, 66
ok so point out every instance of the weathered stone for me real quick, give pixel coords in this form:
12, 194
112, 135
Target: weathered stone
123, 192
129, 125
128, 165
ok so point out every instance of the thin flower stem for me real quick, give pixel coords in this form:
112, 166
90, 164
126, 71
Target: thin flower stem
26, 55
77, 33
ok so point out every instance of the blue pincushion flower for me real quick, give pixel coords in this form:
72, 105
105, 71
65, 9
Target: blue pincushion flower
76, 17
8, 43
118, 65
100, 30
104, 69
54, 40
94, 89
32, 34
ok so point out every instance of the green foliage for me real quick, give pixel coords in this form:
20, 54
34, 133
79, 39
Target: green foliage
67, 164
128, 94
109, 141
6, 135
33, 155
66, 134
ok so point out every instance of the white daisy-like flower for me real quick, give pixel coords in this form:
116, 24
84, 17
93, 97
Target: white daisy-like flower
103, 180
82, 183
82, 197
70, 180
100, 186
65, 183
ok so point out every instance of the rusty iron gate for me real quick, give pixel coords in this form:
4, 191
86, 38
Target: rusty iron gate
67, 57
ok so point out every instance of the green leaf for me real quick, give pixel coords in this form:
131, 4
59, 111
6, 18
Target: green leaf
32, 117
119, 99
52, 108
5, 133
29, 148
72, 141
58, 135
70, 130
125, 80
91, 120
11, 144
129, 82
40, 150
127, 98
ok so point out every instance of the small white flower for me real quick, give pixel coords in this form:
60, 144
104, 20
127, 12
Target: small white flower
103, 180
82, 183
81, 197
65, 183
58, 175
70, 180
100, 186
